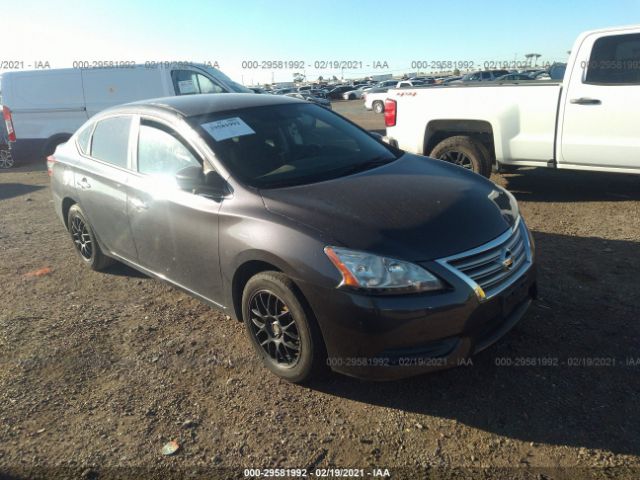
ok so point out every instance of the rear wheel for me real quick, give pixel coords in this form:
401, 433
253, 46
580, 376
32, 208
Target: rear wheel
465, 152
284, 335
84, 240
378, 106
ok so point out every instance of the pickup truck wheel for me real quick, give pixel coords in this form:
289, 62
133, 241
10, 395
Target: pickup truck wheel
378, 106
465, 152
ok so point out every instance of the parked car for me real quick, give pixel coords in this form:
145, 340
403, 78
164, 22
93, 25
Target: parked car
323, 102
355, 94
258, 90
317, 92
409, 83
386, 84
284, 91
586, 122
262, 206
557, 71
336, 93
512, 77
374, 99
448, 80
44, 107
482, 76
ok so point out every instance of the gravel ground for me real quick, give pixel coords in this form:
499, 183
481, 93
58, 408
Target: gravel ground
99, 370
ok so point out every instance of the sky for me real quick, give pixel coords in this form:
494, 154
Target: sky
376, 37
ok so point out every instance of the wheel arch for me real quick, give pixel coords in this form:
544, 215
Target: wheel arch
252, 263
67, 203
481, 130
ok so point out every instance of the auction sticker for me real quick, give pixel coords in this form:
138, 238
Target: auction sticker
228, 128
186, 86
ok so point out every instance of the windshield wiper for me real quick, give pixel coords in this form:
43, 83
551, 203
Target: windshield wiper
368, 165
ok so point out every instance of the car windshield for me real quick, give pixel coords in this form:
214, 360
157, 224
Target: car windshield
291, 144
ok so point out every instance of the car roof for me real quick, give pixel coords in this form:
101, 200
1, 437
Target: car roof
202, 104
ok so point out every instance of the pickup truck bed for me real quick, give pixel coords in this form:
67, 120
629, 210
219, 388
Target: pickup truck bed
587, 122
522, 117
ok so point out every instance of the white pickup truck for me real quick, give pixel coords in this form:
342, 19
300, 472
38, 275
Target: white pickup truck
589, 121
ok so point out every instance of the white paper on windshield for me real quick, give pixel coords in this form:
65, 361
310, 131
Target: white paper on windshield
228, 128
186, 86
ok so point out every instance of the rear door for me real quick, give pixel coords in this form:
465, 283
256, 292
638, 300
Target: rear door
175, 231
601, 121
101, 178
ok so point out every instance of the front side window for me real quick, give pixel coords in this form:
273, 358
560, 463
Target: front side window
285, 145
615, 60
161, 152
110, 140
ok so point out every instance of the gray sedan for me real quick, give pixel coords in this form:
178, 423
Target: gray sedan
334, 248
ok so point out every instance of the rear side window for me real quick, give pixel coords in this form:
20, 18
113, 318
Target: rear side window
188, 82
161, 152
110, 140
615, 60
84, 137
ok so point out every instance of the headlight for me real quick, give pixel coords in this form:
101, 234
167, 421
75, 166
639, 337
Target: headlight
381, 274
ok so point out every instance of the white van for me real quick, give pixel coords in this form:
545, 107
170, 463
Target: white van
42, 108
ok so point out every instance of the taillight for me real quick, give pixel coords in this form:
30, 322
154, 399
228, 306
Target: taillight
390, 110
51, 160
6, 114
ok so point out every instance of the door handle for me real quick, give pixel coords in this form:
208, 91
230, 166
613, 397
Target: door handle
585, 101
84, 183
139, 204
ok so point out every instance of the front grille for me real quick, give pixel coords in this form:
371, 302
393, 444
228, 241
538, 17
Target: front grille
496, 265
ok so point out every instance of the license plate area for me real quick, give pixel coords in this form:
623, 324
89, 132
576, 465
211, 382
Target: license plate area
514, 295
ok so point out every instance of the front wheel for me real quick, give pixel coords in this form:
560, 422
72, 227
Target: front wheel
284, 335
378, 106
465, 152
85, 240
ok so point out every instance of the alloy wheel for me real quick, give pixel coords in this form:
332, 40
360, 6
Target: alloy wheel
457, 158
81, 238
274, 328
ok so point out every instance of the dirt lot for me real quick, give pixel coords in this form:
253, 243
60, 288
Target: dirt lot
99, 370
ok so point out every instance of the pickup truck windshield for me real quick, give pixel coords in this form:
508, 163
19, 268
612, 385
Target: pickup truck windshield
286, 145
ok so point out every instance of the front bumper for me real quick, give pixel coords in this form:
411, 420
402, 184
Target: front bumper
391, 337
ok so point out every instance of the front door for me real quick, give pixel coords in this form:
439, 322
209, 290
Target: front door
175, 231
601, 124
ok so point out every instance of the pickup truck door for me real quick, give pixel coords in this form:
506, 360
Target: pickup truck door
601, 120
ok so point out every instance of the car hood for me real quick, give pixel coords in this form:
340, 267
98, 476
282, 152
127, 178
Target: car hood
414, 208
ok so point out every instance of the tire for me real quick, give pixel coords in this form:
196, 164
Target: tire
84, 240
465, 152
6, 160
378, 106
273, 313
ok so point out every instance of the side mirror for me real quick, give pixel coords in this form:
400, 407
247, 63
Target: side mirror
190, 177
376, 135
214, 186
